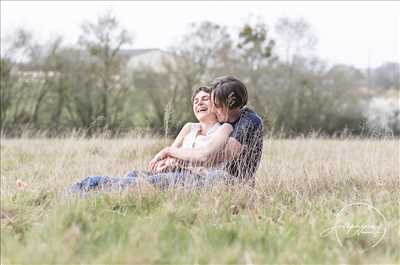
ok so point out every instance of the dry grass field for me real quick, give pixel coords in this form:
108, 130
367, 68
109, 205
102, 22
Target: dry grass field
302, 185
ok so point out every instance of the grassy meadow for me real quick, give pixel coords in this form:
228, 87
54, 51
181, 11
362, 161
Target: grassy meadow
301, 185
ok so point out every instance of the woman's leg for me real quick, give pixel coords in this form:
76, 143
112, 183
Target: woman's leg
159, 180
104, 182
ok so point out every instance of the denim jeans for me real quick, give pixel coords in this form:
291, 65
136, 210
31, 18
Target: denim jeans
159, 180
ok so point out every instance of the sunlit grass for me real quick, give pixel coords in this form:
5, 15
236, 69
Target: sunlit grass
301, 185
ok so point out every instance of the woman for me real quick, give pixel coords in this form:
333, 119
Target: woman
169, 172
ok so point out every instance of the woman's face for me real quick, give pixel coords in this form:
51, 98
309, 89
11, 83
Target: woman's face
202, 106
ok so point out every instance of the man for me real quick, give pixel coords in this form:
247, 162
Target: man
243, 149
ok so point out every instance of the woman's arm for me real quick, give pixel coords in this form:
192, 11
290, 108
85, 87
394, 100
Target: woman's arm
182, 134
202, 154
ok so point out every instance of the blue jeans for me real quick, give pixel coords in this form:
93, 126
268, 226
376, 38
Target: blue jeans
159, 180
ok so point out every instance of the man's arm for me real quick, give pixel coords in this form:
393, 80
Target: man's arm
221, 146
232, 149
222, 151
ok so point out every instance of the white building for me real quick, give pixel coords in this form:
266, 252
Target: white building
154, 59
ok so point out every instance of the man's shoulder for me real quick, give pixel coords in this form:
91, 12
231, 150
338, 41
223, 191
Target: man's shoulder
249, 127
248, 115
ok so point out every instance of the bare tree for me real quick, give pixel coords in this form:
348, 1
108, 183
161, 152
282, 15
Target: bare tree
203, 53
103, 40
295, 36
255, 58
34, 74
387, 76
7, 83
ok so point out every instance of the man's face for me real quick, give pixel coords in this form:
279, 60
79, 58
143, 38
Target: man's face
220, 110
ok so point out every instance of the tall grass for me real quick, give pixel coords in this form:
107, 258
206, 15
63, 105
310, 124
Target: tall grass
300, 186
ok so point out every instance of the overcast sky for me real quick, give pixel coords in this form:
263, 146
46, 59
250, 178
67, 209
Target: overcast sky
357, 33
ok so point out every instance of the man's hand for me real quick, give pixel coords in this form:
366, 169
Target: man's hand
163, 154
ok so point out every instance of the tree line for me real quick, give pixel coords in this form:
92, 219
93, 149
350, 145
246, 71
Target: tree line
87, 86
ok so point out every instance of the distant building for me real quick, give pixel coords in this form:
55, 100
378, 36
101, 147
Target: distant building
154, 59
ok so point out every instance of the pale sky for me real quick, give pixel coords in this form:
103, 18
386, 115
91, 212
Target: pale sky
356, 33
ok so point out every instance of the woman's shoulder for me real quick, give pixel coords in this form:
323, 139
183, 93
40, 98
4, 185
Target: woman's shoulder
190, 126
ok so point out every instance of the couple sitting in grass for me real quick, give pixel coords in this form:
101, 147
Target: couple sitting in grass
225, 145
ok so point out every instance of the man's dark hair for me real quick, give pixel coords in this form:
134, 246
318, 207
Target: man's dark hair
230, 91
198, 89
